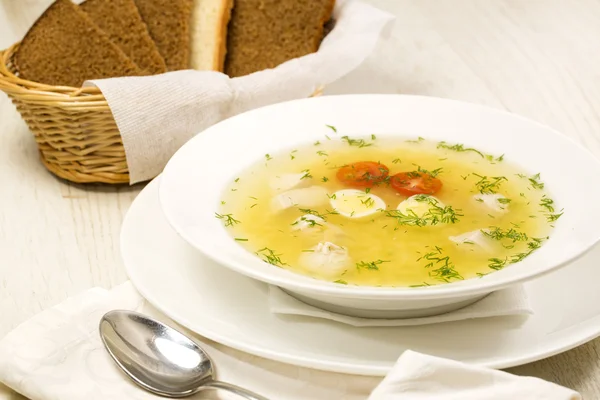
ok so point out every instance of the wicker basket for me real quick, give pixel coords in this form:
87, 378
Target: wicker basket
74, 128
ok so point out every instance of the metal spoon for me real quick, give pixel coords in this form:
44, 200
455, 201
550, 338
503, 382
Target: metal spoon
159, 358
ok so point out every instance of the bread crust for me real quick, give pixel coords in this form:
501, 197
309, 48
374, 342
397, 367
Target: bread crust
65, 48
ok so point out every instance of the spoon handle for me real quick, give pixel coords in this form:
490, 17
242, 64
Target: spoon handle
234, 389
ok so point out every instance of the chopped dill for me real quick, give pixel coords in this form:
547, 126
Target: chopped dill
461, 148
241, 240
322, 153
554, 217
292, 156
333, 128
535, 182
268, 157
424, 284
433, 173
497, 233
341, 282
306, 175
316, 143
373, 137
396, 161
445, 270
324, 179
237, 180
547, 203
316, 213
270, 256
227, 218
356, 142
435, 215
368, 202
490, 185
419, 140
373, 265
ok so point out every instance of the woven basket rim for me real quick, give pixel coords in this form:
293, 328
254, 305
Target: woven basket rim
11, 83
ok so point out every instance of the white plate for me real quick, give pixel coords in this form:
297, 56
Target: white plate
232, 309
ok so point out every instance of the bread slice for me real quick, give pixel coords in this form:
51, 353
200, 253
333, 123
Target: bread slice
168, 22
64, 47
122, 22
265, 33
209, 34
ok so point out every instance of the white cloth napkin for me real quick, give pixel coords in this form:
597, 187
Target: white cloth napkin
157, 114
58, 355
507, 302
422, 377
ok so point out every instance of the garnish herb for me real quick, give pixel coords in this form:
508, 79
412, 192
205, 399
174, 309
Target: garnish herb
222, 202
253, 205
373, 265
241, 239
341, 282
227, 218
324, 179
516, 236
504, 200
237, 180
435, 215
317, 143
461, 148
311, 222
306, 175
356, 142
368, 202
424, 284
396, 161
554, 217
292, 156
373, 137
499, 234
535, 182
316, 213
270, 256
419, 140
333, 128
490, 185
444, 268
434, 173
548, 204
322, 153
268, 157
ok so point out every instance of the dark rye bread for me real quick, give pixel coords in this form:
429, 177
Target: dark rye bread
168, 22
64, 47
122, 22
265, 33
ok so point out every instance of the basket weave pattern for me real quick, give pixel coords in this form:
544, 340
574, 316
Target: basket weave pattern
74, 128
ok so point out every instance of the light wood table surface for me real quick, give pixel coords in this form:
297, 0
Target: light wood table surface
537, 58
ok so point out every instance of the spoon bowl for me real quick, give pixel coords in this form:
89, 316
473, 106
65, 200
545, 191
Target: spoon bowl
159, 358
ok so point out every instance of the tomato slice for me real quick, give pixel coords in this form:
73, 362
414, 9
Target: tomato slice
363, 173
411, 183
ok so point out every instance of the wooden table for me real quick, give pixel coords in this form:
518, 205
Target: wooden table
540, 59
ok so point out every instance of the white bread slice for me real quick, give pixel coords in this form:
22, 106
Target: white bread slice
209, 34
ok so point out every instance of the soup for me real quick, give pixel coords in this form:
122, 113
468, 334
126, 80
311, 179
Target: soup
387, 211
